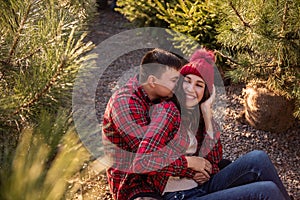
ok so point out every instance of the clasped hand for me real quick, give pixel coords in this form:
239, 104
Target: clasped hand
202, 166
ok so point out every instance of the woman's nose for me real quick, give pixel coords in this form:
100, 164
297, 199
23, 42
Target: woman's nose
190, 88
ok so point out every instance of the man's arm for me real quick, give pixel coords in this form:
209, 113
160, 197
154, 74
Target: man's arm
162, 150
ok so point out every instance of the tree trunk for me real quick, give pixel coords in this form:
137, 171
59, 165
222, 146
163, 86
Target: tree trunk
266, 110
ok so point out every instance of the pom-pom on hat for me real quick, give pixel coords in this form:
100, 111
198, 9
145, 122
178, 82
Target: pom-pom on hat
201, 64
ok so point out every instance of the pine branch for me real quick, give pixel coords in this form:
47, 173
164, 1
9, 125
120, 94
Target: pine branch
15, 64
35, 51
18, 34
284, 21
263, 65
4, 62
227, 58
43, 92
29, 55
1, 76
246, 24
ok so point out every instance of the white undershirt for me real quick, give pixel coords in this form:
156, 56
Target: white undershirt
176, 183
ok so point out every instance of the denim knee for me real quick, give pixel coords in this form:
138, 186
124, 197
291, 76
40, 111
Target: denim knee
269, 186
269, 189
259, 157
259, 153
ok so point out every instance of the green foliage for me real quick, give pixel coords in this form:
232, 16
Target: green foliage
191, 18
261, 41
141, 12
36, 172
194, 19
41, 50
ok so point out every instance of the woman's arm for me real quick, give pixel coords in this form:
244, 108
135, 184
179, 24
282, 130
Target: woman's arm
211, 147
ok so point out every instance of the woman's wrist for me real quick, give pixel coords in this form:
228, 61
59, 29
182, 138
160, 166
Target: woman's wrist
188, 160
209, 126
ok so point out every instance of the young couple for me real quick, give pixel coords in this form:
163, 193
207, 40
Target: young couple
169, 148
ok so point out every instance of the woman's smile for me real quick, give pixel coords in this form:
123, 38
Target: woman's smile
190, 96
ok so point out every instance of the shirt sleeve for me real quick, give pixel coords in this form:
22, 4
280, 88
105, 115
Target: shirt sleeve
211, 148
162, 150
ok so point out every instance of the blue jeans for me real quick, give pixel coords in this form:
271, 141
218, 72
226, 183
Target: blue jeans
252, 176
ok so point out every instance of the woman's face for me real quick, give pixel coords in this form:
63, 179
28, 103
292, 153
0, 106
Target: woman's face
193, 87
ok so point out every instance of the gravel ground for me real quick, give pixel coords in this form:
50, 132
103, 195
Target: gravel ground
237, 138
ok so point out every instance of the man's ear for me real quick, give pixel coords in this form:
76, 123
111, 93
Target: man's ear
151, 81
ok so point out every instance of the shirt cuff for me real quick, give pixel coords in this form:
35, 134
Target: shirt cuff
188, 172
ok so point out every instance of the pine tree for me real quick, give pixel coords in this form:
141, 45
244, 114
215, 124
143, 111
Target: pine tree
141, 12
42, 47
261, 41
39, 169
191, 18
41, 51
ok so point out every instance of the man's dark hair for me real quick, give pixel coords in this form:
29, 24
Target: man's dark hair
156, 62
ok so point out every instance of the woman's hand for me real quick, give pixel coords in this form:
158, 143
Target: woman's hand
199, 164
206, 107
200, 178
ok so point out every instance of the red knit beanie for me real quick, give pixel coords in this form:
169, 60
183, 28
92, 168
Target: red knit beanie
201, 64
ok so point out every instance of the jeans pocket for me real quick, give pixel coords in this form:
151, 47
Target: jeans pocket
173, 196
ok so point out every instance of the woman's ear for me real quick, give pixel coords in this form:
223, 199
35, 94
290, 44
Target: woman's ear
151, 81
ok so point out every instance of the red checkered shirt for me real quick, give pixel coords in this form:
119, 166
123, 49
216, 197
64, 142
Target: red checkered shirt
144, 141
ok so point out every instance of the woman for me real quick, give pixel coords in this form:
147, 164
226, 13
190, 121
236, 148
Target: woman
253, 176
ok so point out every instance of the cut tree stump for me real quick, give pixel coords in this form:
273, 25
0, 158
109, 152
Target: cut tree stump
265, 110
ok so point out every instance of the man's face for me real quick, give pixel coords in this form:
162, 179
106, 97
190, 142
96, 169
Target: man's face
166, 83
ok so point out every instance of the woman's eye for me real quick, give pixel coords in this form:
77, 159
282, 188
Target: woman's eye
186, 80
201, 86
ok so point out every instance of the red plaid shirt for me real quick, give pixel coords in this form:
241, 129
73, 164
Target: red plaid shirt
145, 143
